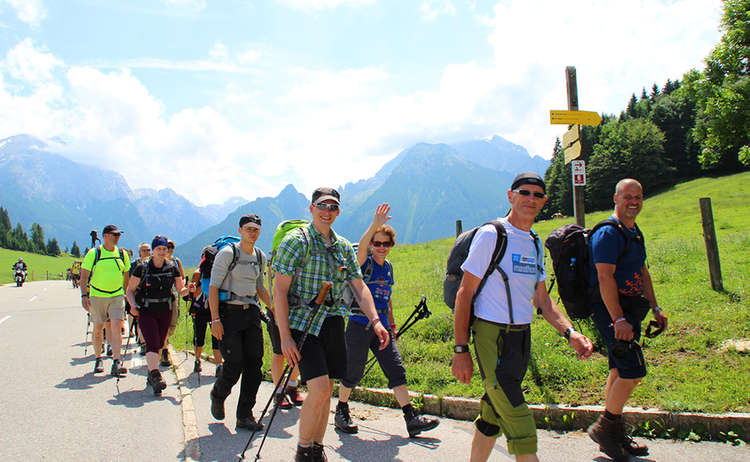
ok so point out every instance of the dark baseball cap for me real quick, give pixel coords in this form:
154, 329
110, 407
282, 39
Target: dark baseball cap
250, 218
111, 229
528, 178
326, 194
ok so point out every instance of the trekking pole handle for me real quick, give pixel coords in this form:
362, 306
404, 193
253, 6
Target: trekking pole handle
324, 289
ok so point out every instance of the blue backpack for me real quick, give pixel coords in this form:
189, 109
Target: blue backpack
207, 261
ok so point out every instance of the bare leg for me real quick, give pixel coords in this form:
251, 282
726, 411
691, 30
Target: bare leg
114, 337
318, 403
97, 339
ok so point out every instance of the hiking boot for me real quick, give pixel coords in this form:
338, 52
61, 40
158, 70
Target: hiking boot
109, 350
217, 407
197, 367
219, 368
608, 434
118, 370
632, 447
303, 454
165, 358
98, 366
416, 424
280, 400
294, 396
248, 423
156, 381
318, 455
343, 420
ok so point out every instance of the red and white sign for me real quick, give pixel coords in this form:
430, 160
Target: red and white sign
578, 169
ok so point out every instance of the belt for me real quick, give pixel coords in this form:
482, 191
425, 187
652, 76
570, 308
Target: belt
237, 307
509, 327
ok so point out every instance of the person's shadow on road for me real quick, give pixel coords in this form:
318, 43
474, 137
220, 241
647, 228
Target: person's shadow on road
352, 447
84, 382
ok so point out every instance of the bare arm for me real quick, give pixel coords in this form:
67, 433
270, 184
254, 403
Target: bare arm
83, 284
462, 366
611, 298
130, 294
281, 283
380, 218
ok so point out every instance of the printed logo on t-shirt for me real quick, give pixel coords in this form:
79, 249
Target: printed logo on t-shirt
523, 264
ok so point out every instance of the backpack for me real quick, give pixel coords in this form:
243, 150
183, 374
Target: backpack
457, 256
207, 262
97, 259
154, 288
570, 250
367, 279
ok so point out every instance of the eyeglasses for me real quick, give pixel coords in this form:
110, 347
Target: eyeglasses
324, 206
250, 228
526, 192
382, 244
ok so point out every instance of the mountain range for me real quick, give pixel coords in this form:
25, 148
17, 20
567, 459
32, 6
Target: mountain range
429, 187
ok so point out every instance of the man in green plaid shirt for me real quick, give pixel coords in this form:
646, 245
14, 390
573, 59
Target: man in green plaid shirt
322, 358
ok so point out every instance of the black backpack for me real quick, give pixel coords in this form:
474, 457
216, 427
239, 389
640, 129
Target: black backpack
155, 287
570, 250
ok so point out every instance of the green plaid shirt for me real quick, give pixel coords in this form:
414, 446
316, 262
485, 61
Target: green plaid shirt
289, 256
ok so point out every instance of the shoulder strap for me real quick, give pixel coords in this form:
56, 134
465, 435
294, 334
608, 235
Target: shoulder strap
497, 255
621, 228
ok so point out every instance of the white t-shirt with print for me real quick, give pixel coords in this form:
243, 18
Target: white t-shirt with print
519, 263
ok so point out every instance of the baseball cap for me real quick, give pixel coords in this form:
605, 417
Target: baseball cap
111, 229
528, 178
325, 194
250, 218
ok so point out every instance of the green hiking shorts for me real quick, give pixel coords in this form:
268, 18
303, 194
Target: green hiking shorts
503, 353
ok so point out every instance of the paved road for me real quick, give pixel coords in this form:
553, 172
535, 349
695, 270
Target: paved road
53, 408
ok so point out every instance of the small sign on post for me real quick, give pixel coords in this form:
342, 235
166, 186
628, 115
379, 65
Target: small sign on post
578, 172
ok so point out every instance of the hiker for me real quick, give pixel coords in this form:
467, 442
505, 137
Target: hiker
378, 275
237, 275
104, 276
201, 317
94, 238
307, 257
164, 354
627, 294
144, 253
501, 329
150, 295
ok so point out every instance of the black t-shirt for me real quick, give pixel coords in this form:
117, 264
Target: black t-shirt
158, 285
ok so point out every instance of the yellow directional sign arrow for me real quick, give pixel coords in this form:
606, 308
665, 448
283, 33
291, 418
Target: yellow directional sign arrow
574, 117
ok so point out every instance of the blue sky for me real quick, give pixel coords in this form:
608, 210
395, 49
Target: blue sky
241, 97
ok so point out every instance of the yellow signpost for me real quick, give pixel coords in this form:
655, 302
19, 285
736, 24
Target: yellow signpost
571, 142
574, 117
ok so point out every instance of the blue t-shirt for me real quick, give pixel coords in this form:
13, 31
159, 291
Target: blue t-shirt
380, 288
607, 243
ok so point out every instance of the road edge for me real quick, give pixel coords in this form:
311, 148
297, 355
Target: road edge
192, 449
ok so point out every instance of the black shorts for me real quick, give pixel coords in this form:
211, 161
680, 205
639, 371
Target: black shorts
324, 354
273, 333
628, 360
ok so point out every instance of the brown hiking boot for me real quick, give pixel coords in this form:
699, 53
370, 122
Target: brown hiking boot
610, 437
633, 448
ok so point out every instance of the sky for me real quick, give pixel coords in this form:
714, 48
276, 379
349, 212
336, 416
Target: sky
226, 98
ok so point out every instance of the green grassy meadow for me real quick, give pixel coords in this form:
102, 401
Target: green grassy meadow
40, 266
688, 371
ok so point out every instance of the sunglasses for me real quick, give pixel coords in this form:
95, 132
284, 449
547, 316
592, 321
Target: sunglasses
382, 244
324, 206
526, 192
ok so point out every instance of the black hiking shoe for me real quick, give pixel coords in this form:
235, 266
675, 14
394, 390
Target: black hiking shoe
109, 350
197, 367
218, 370
217, 407
303, 454
416, 424
294, 396
165, 358
118, 370
608, 434
249, 423
318, 455
156, 381
281, 401
343, 420
98, 366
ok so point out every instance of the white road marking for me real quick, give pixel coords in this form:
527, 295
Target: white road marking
4, 319
33, 298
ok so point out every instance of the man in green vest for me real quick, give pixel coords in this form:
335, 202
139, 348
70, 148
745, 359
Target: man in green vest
104, 274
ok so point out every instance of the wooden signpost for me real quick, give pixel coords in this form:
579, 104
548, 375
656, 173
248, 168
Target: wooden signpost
572, 140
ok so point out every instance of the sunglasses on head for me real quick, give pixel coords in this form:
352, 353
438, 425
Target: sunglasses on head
324, 206
526, 192
382, 244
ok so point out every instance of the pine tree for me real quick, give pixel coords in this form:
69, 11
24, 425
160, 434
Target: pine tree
37, 239
654, 92
630, 110
75, 251
5, 224
53, 248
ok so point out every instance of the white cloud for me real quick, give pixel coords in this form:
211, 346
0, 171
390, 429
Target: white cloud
431, 9
311, 5
31, 12
25, 62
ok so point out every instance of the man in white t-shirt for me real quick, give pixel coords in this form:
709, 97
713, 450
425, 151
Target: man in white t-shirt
501, 330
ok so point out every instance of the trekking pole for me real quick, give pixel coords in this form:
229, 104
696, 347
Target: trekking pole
86, 336
287, 373
124, 353
420, 312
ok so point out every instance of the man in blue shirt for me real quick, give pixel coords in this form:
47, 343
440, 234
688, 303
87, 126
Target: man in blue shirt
619, 256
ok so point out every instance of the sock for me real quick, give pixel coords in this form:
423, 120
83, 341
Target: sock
305, 445
292, 384
279, 389
609, 416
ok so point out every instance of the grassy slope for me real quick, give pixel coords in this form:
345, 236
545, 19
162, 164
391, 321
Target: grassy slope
687, 369
39, 265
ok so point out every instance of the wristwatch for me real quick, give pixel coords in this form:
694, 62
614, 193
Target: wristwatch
568, 332
460, 348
